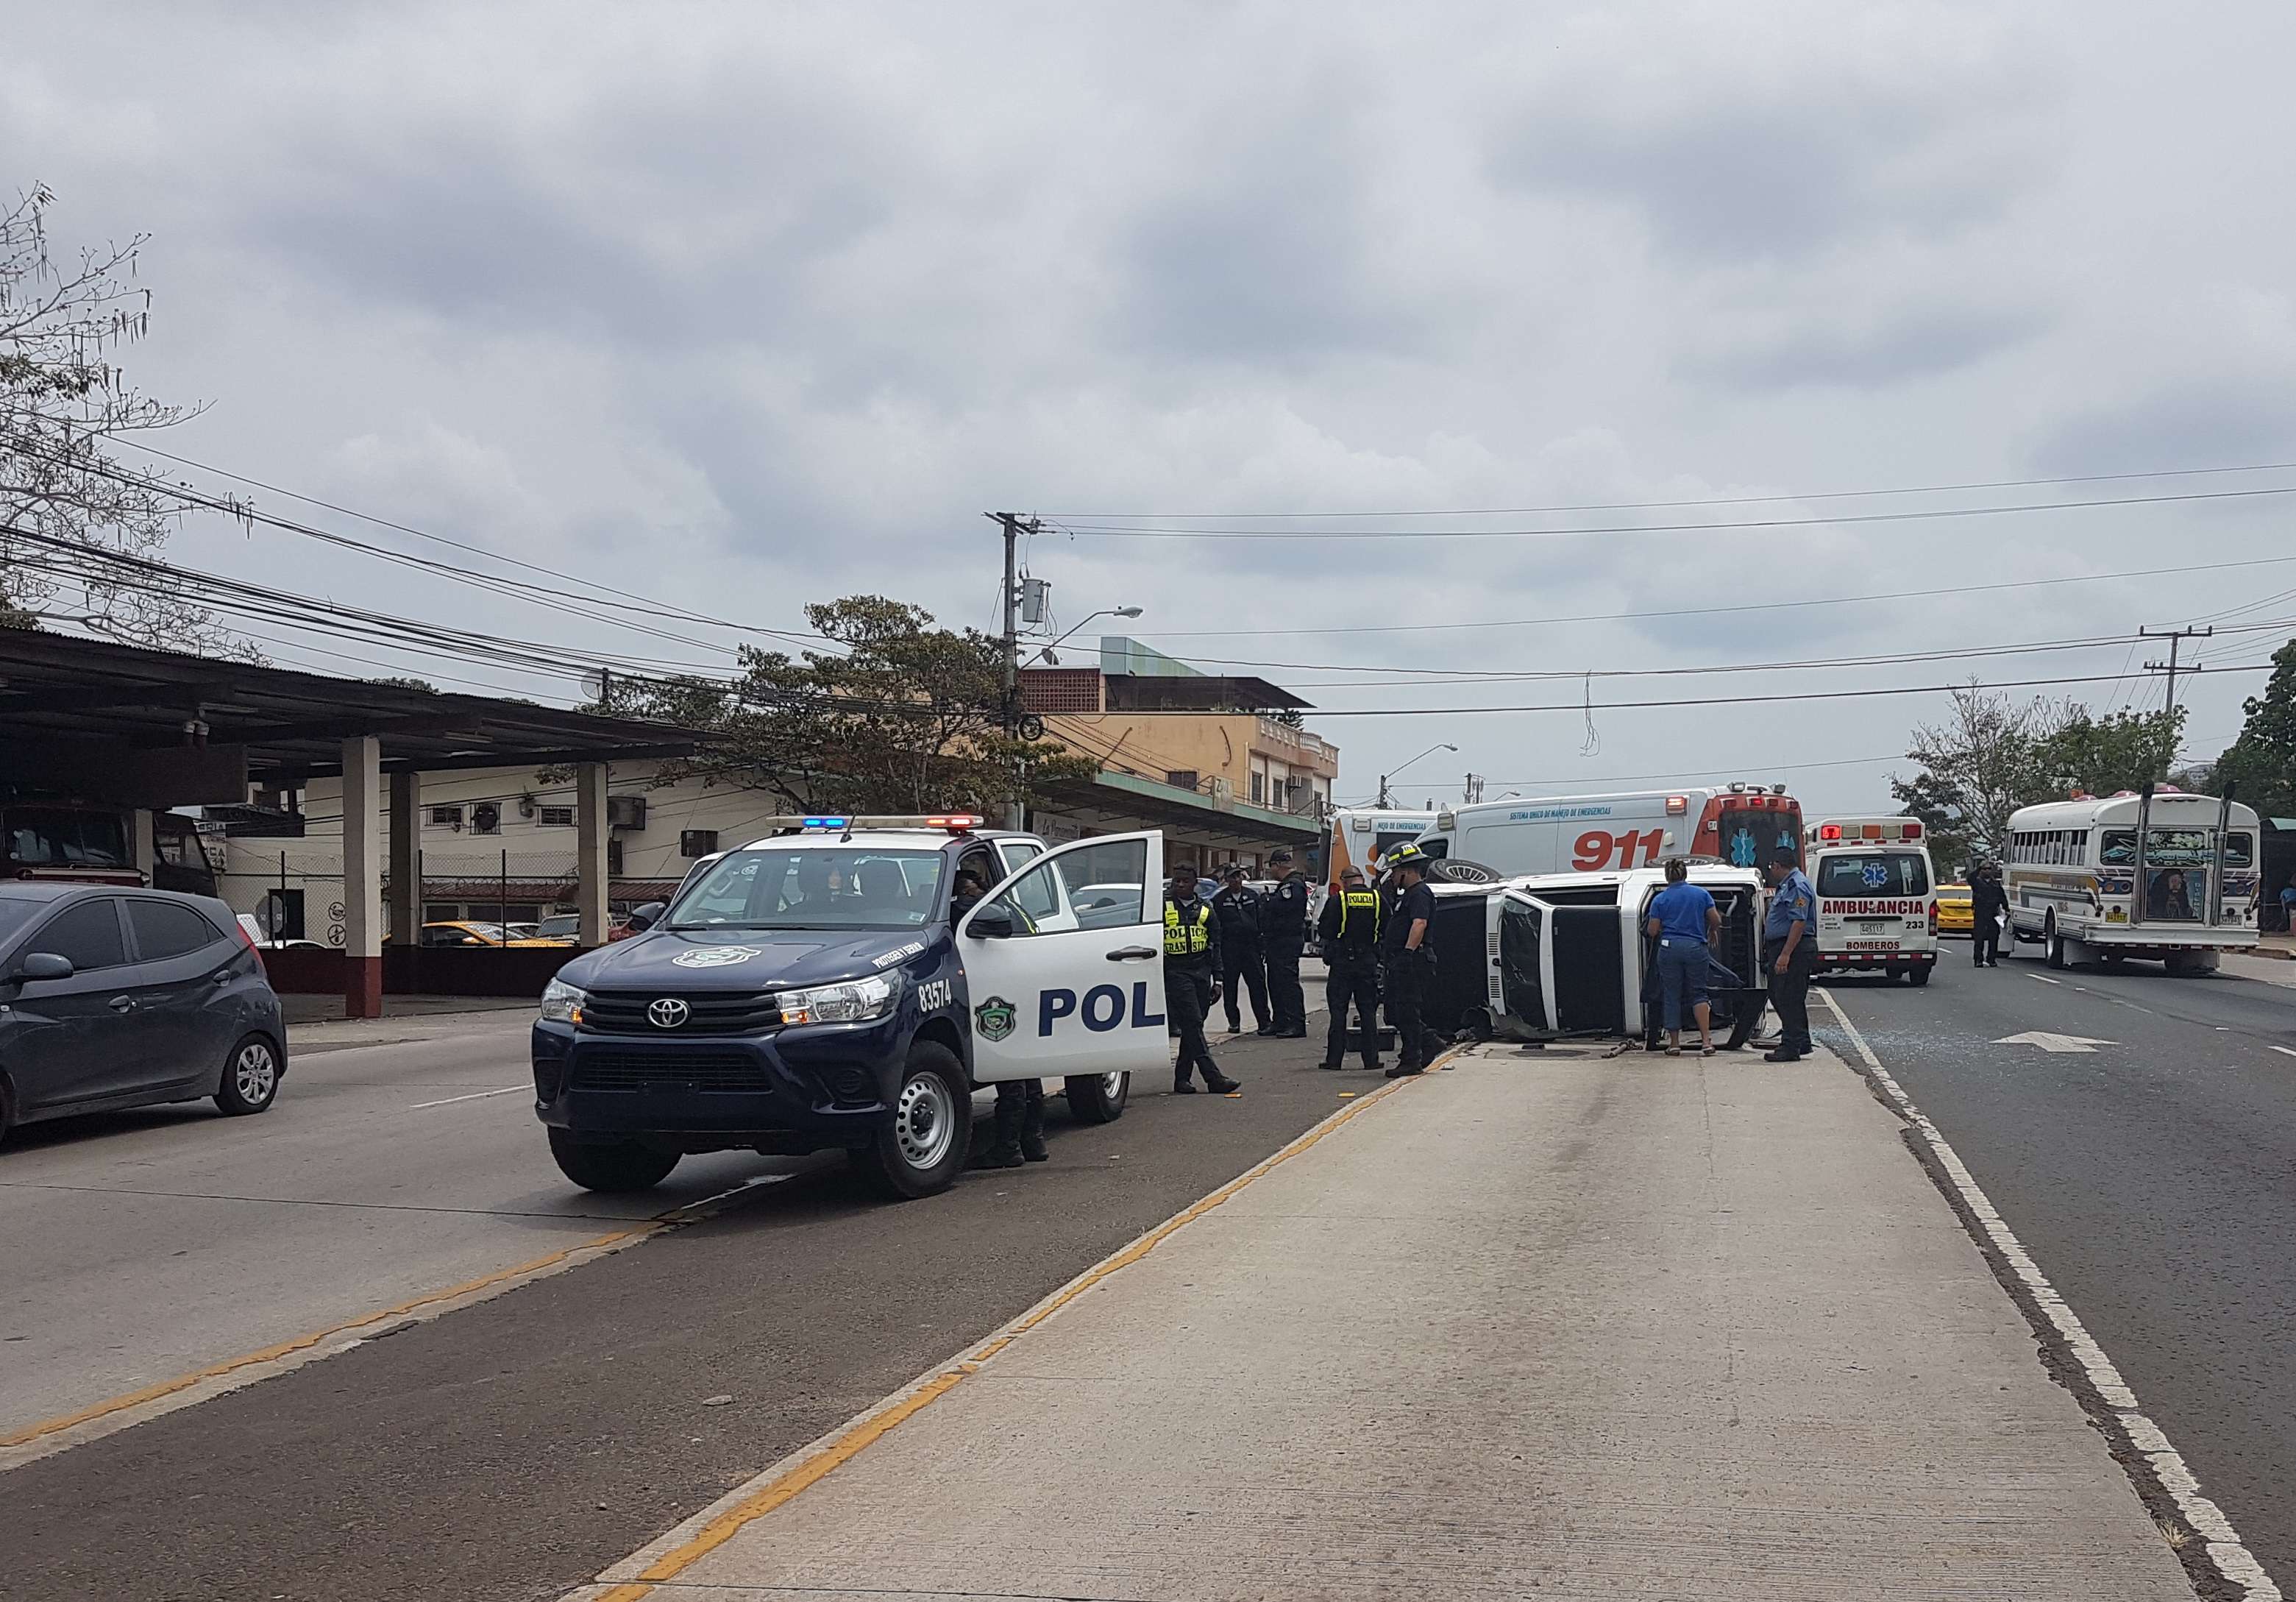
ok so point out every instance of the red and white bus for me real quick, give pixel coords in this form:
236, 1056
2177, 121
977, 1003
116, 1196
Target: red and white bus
1741, 823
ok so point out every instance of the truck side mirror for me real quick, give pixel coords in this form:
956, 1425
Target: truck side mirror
642, 918
993, 921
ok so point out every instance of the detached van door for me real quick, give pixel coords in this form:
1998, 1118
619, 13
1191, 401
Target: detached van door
1520, 950
1060, 1002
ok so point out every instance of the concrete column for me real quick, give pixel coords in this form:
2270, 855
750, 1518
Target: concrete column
363, 877
143, 843
405, 858
590, 852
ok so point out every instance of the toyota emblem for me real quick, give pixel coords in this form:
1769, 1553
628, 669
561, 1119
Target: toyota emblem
668, 1013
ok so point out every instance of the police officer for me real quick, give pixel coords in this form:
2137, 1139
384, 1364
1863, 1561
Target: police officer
1349, 930
1790, 952
1989, 907
1283, 936
1237, 907
1409, 960
1191, 958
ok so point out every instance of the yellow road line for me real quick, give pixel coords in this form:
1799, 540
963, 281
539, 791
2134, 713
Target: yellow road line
872, 1426
269, 1355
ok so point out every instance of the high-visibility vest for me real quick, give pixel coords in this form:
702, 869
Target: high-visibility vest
1360, 902
1187, 940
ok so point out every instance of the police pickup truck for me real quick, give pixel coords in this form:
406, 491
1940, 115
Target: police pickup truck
816, 990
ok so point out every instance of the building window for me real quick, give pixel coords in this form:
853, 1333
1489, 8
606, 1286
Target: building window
555, 818
1258, 787
441, 912
613, 859
696, 843
446, 818
1181, 778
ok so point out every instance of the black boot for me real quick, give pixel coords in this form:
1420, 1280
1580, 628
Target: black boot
1183, 1085
1032, 1123
1218, 1083
1004, 1149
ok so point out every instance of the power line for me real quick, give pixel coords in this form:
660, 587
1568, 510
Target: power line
1739, 500
1145, 531
1615, 706
1698, 611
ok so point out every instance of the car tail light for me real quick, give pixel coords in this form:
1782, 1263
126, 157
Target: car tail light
1933, 915
253, 949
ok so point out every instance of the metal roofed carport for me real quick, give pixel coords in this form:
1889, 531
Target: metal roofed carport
96, 721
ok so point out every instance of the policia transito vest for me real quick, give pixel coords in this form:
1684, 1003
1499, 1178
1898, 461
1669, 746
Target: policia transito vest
1193, 939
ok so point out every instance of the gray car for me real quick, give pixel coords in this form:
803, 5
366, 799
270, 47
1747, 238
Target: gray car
114, 997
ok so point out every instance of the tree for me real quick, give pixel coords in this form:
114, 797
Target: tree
65, 502
2261, 764
905, 717
1977, 769
2123, 751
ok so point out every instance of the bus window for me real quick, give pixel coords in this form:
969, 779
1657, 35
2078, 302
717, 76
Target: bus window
2240, 849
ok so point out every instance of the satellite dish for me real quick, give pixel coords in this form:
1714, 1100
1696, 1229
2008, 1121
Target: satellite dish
594, 686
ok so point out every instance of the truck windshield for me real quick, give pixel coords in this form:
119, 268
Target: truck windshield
1860, 874
783, 888
66, 837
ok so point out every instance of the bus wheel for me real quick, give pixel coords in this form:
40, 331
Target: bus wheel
2053, 947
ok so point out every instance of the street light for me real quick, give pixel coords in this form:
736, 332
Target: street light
1106, 611
1384, 777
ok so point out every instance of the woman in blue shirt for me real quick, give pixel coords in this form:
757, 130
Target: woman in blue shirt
1685, 922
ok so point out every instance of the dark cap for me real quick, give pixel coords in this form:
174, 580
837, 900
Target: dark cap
1234, 871
1279, 855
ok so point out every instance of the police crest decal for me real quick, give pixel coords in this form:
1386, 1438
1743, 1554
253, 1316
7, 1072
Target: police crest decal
995, 1018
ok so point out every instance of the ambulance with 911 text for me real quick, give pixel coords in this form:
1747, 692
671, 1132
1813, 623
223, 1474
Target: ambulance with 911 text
1877, 910
822, 989
1741, 823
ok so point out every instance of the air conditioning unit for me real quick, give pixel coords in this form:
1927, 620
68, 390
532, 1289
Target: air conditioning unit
486, 818
626, 811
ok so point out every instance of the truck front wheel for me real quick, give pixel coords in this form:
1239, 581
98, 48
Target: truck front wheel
1097, 1098
618, 1165
919, 1149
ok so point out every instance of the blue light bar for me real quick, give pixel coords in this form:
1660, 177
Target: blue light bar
826, 823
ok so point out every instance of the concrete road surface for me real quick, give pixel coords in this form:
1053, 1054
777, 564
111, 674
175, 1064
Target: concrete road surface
512, 1449
2153, 1176
144, 1246
1547, 1326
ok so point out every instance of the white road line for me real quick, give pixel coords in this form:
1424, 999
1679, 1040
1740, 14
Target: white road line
2286, 1051
2222, 1543
2044, 980
473, 1095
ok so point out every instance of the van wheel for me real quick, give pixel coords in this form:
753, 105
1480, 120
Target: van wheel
251, 1078
2053, 944
1097, 1098
612, 1165
1918, 977
921, 1147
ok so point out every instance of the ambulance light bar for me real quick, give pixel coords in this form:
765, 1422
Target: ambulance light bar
1676, 805
1893, 829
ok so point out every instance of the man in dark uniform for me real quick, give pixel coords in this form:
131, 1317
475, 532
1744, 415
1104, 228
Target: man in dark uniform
1191, 958
1789, 951
1988, 909
1283, 936
1409, 960
1350, 932
1237, 907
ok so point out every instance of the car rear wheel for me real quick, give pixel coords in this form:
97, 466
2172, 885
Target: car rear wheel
251, 1078
922, 1146
1098, 1098
612, 1165
1917, 977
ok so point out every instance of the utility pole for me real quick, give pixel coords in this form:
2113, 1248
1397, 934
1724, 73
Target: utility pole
2175, 637
1015, 525
1383, 793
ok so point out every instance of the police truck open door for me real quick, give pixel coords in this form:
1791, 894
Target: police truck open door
1521, 950
1085, 1005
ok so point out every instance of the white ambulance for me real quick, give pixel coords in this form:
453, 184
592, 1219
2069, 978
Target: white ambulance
1876, 897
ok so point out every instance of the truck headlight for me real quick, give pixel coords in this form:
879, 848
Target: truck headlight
562, 1003
855, 1001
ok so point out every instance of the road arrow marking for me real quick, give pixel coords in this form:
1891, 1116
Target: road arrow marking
2054, 1043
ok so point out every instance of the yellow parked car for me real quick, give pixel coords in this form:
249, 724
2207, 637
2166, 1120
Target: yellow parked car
1953, 910
468, 933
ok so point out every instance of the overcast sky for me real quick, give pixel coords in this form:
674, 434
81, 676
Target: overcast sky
743, 305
